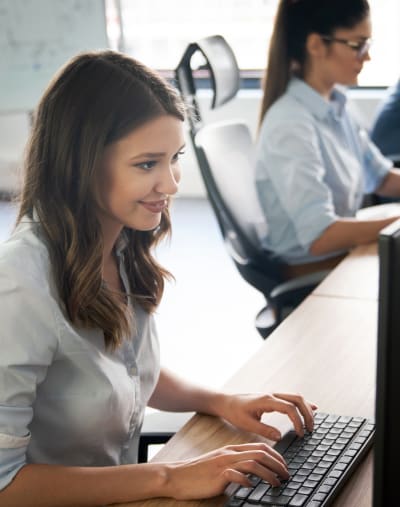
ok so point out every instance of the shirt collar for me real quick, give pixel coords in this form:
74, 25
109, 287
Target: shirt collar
315, 103
121, 244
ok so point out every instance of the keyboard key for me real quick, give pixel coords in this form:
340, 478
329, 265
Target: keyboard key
298, 500
243, 492
275, 500
289, 491
259, 492
305, 491
298, 478
331, 419
275, 491
234, 502
315, 476
294, 486
310, 484
329, 482
324, 464
319, 497
320, 471
324, 489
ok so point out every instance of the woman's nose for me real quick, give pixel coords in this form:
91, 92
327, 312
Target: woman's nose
169, 180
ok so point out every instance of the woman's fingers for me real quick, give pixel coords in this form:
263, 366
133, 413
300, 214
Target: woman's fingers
259, 446
265, 430
232, 475
259, 461
304, 407
208, 475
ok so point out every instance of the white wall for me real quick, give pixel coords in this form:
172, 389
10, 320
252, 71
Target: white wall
14, 130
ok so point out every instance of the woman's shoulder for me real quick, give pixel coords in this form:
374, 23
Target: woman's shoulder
288, 108
28, 310
286, 113
24, 256
287, 117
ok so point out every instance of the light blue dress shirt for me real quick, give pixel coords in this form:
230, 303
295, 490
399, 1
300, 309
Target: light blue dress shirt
313, 165
64, 398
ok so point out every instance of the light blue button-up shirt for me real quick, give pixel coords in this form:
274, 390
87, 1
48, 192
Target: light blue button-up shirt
314, 163
64, 399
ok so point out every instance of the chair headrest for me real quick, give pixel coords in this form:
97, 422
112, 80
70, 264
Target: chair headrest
224, 70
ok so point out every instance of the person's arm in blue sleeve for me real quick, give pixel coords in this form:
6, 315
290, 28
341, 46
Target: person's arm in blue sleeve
291, 153
297, 173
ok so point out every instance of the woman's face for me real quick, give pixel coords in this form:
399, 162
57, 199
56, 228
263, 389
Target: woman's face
341, 63
138, 173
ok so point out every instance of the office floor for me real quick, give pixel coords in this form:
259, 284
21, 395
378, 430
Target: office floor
206, 318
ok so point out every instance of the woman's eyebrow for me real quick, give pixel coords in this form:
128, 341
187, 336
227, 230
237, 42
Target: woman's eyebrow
154, 154
149, 154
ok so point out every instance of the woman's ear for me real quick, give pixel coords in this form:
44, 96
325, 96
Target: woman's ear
315, 46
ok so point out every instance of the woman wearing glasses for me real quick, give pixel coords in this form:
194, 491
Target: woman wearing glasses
314, 163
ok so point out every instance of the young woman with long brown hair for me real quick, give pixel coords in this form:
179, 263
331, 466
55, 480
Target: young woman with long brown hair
79, 356
314, 162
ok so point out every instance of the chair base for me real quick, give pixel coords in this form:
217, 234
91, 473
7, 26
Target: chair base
266, 321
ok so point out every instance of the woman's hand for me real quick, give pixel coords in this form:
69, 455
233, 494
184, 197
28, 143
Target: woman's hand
209, 474
245, 412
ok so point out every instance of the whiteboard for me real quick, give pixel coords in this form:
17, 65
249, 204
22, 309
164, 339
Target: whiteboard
36, 38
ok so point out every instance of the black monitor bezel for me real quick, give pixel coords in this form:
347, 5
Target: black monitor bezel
387, 404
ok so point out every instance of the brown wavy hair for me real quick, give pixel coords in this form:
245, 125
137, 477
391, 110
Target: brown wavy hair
96, 99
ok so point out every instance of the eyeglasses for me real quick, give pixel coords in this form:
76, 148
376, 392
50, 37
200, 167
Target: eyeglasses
361, 47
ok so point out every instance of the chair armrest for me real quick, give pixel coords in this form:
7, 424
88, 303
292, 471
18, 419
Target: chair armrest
300, 285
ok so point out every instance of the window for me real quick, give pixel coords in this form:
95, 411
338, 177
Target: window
157, 32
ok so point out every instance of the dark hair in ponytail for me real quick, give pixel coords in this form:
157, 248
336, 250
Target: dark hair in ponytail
295, 20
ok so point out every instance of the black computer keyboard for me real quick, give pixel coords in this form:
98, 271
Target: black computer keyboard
319, 464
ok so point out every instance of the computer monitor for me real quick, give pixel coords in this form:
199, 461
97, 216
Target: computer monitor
387, 416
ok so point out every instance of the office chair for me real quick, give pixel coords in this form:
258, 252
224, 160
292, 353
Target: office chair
395, 158
225, 155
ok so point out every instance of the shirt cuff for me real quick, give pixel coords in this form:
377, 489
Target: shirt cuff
11, 462
313, 229
13, 442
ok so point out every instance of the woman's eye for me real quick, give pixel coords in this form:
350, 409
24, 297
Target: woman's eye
146, 165
177, 156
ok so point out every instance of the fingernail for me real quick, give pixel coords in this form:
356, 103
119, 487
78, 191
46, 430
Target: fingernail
275, 435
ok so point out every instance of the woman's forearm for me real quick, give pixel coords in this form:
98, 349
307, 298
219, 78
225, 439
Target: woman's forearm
347, 233
176, 395
58, 486
390, 187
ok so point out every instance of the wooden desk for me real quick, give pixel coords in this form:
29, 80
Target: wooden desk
357, 276
326, 350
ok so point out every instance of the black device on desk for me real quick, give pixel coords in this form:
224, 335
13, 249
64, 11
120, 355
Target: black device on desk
387, 447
